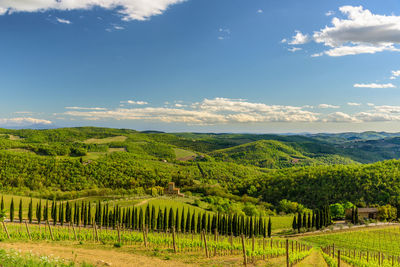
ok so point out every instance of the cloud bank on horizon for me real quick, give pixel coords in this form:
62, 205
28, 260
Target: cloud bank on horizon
128, 9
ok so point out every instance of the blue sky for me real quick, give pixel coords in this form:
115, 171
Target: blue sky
201, 65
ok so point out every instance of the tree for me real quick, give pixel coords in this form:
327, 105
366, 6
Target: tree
2, 203
183, 228
356, 215
337, 211
153, 218
165, 221
269, 227
309, 221
171, 216
387, 213
188, 222
20, 211
294, 223
30, 211
299, 221
12, 210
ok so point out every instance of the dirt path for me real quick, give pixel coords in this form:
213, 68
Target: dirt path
97, 257
315, 259
144, 202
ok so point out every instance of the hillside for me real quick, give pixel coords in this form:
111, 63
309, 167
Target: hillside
273, 154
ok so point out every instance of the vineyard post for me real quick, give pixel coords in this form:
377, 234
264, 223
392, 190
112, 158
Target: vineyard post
215, 240
73, 229
244, 251
95, 228
338, 258
205, 243
173, 239
27, 230
51, 233
5, 229
231, 243
144, 237
287, 252
119, 234
263, 248
333, 250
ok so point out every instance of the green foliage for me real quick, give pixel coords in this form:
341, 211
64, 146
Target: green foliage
337, 211
387, 213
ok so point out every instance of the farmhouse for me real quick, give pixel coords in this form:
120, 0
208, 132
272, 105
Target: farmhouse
364, 213
172, 190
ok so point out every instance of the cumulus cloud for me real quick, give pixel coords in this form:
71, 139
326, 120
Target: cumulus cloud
374, 85
330, 13
299, 38
128, 9
395, 74
260, 11
23, 122
360, 32
353, 104
208, 111
340, 117
327, 106
132, 102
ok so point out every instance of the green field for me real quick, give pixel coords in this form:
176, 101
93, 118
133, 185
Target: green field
183, 155
377, 239
105, 140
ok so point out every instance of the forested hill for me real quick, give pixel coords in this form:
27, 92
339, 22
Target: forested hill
313, 170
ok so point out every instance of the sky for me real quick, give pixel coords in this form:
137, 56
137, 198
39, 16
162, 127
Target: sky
259, 66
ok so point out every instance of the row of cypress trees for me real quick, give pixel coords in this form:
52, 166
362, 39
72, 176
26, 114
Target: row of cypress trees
317, 219
137, 218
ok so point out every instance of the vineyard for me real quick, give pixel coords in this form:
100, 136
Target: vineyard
246, 249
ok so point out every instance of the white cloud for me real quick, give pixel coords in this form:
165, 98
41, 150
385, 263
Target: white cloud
330, 13
294, 49
63, 21
118, 27
395, 74
340, 117
23, 122
260, 11
374, 85
132, 102
208, 111
299, 38
370, 104
128, 9
360, 32
85, 108
327, 106
284, 40
353, 104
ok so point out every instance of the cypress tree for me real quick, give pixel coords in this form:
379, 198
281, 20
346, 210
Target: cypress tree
313, 220
67, 217
183, 227
89, 215
269, 227
304, 224
20, 211
188, 222
177, 222
165, 221
193, 225
55, 214
198, 223
46, 212
12, 210
251, 227
62, 214
153, 218
209, 223
30, 211
299, 221
294, 223
141, 219
317, 225
39, 212
171, 218
147, 216
204, 222
308, 221
234, 225
159, 220
2, 203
